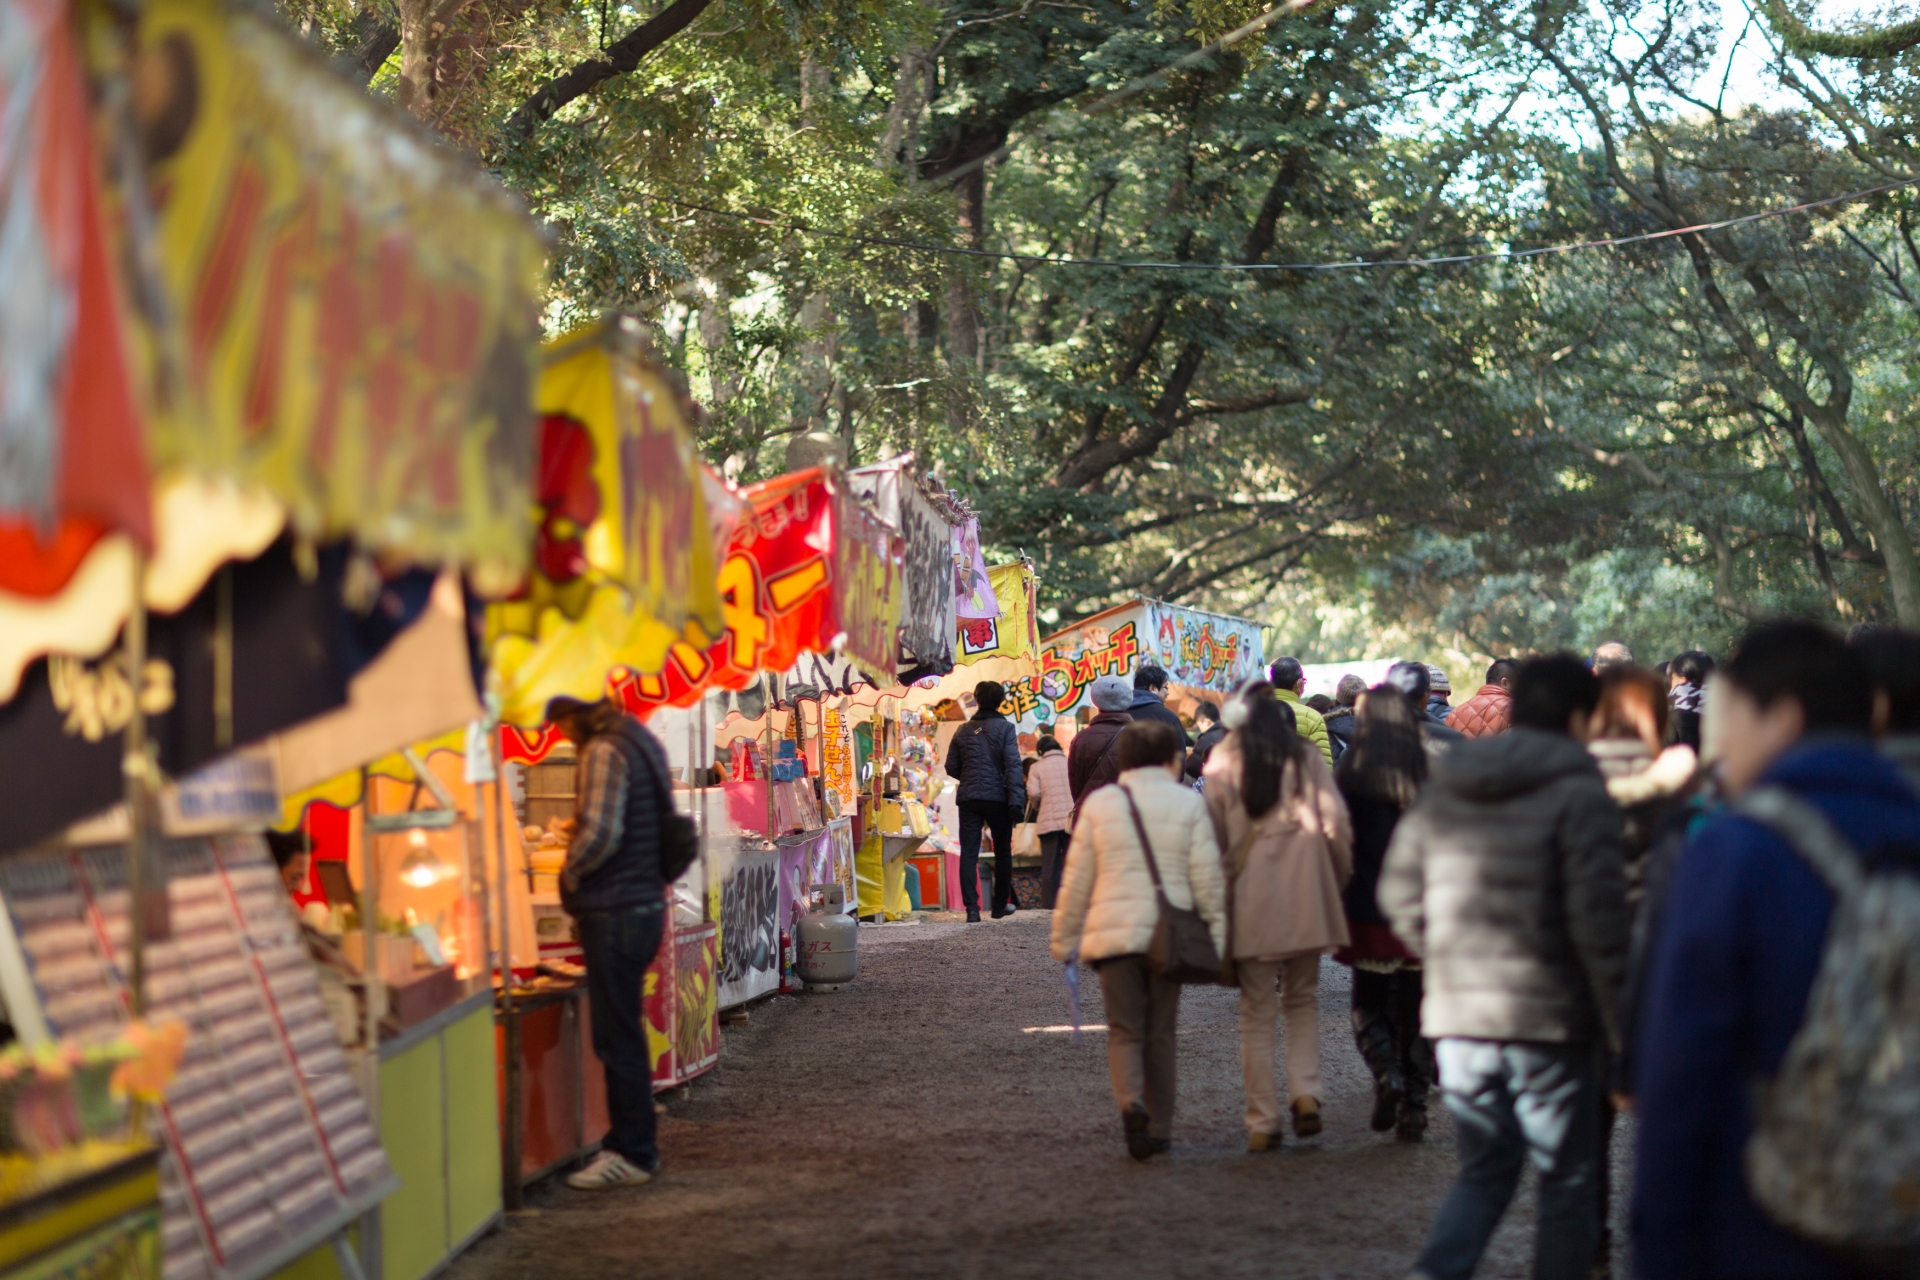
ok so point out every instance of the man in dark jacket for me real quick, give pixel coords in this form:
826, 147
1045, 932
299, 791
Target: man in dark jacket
612, 886
985, 756
1206, 718
1507, 879
1738, 946
1093, 760
1340, 722
1150, 700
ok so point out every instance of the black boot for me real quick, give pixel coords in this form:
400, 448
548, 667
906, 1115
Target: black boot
973, 915
1373, 1036
1411, 1124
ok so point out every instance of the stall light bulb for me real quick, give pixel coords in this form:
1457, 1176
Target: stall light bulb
422, 867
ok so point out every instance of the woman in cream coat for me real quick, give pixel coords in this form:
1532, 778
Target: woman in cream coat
1106, 913
1289, 851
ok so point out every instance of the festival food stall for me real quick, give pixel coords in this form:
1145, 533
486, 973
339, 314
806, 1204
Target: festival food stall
625, 555
286, 344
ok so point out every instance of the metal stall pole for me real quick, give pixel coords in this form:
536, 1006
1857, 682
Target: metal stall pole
512, 1196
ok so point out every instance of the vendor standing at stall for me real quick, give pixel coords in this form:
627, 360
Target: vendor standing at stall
613, 886
985, 756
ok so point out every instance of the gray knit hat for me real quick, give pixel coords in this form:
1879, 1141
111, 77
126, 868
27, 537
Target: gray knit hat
1438, 680
1112, 693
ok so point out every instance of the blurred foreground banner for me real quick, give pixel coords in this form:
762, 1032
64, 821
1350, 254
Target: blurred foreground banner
351, 311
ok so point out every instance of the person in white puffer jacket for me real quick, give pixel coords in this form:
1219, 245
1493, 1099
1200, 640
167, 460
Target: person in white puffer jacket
1106, 913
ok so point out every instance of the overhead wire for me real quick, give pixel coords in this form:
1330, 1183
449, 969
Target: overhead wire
1345, 264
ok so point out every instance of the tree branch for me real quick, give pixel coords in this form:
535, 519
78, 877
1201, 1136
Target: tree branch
1804, 40
617, 59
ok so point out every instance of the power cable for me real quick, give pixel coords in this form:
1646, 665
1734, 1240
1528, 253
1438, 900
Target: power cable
1351, 264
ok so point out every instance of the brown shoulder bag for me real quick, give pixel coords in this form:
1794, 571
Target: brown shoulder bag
1182, 947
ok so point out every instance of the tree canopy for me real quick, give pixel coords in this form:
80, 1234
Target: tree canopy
1151, 283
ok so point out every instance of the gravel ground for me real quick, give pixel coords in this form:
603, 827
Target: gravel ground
930, 1122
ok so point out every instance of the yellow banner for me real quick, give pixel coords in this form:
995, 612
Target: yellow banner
1012, 634
350, 312
623, 558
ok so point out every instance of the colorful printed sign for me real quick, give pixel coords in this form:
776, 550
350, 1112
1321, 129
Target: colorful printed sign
1203, 650
1200, 651
353, 312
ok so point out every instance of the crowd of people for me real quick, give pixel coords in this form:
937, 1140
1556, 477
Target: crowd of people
1552, 908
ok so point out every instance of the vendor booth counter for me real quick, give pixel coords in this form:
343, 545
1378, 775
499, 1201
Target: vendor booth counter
553, 1096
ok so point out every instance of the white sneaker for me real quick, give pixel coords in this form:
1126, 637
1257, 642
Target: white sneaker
609, 1169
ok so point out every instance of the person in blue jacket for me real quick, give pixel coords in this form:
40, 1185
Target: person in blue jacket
1739, 943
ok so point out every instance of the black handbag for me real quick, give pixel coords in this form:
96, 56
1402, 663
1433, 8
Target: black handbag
1182, 948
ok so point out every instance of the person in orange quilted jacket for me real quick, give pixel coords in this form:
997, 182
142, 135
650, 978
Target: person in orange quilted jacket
1489, 711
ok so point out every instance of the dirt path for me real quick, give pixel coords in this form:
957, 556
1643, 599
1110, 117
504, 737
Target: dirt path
915, 1126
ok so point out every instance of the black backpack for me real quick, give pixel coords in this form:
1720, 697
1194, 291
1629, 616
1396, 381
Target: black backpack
679, 838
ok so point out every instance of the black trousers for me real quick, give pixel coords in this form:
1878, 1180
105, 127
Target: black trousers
1053, 864
999, 818
617, 947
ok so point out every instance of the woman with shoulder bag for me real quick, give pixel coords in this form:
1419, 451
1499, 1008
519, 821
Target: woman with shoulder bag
1289, 852
1109, 909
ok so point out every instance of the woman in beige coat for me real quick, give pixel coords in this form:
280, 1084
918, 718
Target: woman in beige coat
1289, 851
1106, 913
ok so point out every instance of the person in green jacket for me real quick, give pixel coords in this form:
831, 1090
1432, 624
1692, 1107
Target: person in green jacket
1288, 681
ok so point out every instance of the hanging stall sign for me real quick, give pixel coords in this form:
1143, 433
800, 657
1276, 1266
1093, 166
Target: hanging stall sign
623, 559
1203, 653
972, 591
836, 757
926, 521
353, 309
811, 567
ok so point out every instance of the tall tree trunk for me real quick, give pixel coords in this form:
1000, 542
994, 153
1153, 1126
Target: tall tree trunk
963, 318
1877, 510
716, 343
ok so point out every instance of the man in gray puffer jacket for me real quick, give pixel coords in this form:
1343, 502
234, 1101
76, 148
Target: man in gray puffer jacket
1507, 879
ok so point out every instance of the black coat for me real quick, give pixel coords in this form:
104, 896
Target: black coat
1202, 748
1092, 758
1148, 706
985, 756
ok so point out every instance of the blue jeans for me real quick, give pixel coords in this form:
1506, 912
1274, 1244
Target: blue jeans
617, 947
1511, 1099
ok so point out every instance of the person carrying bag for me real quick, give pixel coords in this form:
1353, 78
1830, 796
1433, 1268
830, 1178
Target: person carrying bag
1144, 901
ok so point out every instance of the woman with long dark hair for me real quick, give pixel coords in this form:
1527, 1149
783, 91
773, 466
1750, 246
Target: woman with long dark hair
1379, 777
1287, 845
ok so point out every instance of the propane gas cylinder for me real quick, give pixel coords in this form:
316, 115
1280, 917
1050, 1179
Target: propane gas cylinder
825, 939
